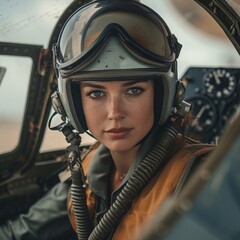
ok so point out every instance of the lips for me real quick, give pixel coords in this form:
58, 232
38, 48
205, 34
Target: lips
117, 133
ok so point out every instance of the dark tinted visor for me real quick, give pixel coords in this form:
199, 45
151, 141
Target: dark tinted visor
139, 27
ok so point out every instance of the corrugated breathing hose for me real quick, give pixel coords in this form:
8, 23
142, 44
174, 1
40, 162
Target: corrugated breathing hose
78, 195
79, 185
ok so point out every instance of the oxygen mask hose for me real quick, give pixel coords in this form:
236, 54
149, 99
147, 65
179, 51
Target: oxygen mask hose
78, 185
78, 195
141, 176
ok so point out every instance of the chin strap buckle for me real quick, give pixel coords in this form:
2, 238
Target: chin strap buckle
182, 109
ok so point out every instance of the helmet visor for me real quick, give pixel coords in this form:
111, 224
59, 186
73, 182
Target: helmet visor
141, 29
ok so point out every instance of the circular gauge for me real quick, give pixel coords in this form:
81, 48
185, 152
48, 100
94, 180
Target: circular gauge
220, 83
228, 114
204, 115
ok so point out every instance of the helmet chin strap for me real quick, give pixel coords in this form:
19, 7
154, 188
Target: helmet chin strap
90, 134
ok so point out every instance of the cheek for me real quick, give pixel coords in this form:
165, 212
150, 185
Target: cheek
88, 111
149, 116
145, 113
94, 115
89, 114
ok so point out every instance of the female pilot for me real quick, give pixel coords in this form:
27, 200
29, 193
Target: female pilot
116, 64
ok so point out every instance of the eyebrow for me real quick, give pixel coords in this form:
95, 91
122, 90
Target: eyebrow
93, 85
132, 82
125, 84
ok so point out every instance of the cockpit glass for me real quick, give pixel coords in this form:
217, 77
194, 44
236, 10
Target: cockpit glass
204, 42
2, 73
32, 23
13, 94
235, 4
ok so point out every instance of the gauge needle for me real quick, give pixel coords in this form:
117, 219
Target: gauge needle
198, 116
218, 81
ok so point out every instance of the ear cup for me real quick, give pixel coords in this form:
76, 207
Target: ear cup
57, 104
179, 95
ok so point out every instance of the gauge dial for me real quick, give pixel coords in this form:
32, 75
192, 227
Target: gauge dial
227, 116
204, 115
220, 83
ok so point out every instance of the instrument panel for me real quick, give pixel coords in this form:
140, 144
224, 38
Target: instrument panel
215, 96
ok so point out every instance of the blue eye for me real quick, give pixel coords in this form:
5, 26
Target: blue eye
96, 94
135, 91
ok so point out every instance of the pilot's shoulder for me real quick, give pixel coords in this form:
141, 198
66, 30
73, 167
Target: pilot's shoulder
198, 148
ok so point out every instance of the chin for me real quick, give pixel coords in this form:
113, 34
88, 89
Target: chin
120, 146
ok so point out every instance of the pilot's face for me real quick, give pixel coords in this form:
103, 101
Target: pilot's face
118, 113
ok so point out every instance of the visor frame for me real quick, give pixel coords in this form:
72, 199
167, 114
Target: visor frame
86, 55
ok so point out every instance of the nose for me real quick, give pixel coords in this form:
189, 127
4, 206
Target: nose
116, 108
